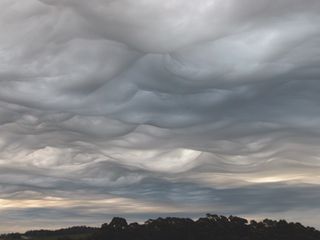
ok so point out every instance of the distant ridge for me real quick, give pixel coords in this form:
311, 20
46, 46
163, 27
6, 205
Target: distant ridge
211, 227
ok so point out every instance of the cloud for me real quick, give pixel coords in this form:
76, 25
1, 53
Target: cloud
165, 104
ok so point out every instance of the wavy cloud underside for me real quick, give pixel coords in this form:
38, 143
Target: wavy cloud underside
146, 108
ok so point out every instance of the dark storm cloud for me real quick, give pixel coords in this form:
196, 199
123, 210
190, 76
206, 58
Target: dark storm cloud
152, 107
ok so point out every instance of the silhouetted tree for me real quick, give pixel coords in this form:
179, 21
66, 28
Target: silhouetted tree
211, 227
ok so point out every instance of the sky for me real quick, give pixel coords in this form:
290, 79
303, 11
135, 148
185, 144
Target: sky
152, 108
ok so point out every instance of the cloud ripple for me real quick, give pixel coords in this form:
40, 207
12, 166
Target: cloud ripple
146, 108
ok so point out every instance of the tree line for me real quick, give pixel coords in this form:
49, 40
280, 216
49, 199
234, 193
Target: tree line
210, 227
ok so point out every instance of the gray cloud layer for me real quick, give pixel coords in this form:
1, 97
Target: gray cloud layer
142, 108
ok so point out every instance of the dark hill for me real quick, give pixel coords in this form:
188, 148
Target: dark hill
211, 227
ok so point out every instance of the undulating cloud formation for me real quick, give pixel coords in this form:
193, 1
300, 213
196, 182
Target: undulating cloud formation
146, 108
